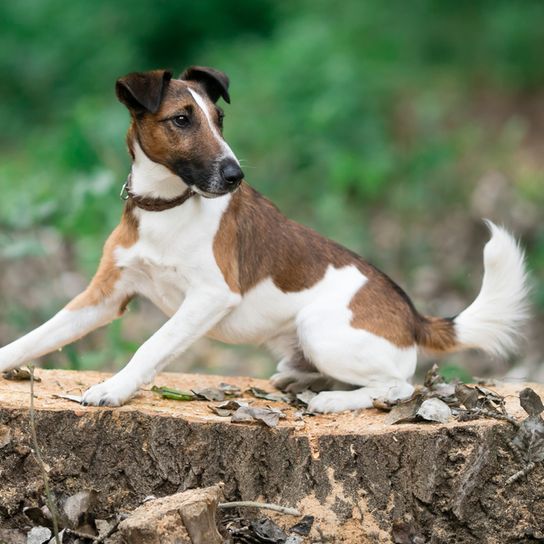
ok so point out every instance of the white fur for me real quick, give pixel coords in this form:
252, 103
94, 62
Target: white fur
492, 322
152, 179
63, 328
202, 105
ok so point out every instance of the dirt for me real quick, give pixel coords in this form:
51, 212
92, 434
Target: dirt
359, 477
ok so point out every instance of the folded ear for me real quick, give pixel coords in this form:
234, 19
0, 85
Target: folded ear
143, 91
215, 83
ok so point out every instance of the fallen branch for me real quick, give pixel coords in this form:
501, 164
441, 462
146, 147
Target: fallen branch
263, 505
39, 460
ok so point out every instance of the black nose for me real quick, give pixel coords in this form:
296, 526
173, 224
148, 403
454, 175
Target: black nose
231, 172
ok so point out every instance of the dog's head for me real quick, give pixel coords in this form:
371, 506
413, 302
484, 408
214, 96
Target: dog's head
178, 124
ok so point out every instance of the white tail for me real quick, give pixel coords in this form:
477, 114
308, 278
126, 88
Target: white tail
493, 321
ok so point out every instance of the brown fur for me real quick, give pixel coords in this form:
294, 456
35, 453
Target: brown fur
162, 142
256, 241
436, 334
108, 273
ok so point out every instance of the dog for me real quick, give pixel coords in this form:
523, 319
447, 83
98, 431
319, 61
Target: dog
221, 261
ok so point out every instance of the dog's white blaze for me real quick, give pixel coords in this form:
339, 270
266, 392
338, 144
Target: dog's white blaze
202, 105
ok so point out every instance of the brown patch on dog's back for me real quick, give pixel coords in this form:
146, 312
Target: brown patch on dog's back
255, 241
225, 246
382, 308
108, 273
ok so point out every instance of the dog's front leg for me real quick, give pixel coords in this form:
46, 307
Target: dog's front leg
74, 321
201, 310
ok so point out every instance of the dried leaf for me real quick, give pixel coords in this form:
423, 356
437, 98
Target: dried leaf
434, 409
19, 375
38, 535
76, 508
174, 394
445, 391
209, 393
306, 396
468, 396
229, 389
268, 531
404, 412
490, 399
531, 402
103, 526
226, 409
242, 414
220, 412
303, 527
268, 416
433, 377
529, 440
262, 394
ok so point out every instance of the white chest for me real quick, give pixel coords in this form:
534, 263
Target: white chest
174, 252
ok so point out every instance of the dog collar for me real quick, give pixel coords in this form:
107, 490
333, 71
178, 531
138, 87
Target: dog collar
153, 204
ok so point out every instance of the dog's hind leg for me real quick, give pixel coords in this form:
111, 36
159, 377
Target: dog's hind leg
296, 374
378, 367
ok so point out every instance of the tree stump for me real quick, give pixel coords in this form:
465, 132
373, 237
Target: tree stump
363, 480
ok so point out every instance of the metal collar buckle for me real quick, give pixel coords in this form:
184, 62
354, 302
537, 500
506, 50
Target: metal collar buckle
123, 195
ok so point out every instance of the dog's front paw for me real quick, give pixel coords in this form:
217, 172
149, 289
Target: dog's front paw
338, 401
108, 393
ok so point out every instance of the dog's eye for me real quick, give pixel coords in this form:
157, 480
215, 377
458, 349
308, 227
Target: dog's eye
181, 121
220, 117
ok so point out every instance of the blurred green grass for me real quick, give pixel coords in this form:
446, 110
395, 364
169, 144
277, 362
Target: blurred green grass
389, 126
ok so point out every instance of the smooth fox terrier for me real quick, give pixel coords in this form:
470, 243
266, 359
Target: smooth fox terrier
221, 261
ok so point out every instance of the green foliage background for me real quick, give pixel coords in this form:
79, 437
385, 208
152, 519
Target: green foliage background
382, 124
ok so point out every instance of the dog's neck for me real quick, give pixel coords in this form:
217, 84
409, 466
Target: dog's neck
151, 179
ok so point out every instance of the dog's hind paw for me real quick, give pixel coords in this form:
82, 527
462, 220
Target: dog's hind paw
295, 382
338, 401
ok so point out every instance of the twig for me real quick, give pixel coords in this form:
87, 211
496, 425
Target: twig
39, 460
264, 505
520, 473
498, 415
80, 534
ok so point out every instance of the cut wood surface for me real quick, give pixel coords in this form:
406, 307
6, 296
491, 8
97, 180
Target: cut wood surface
363, 480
